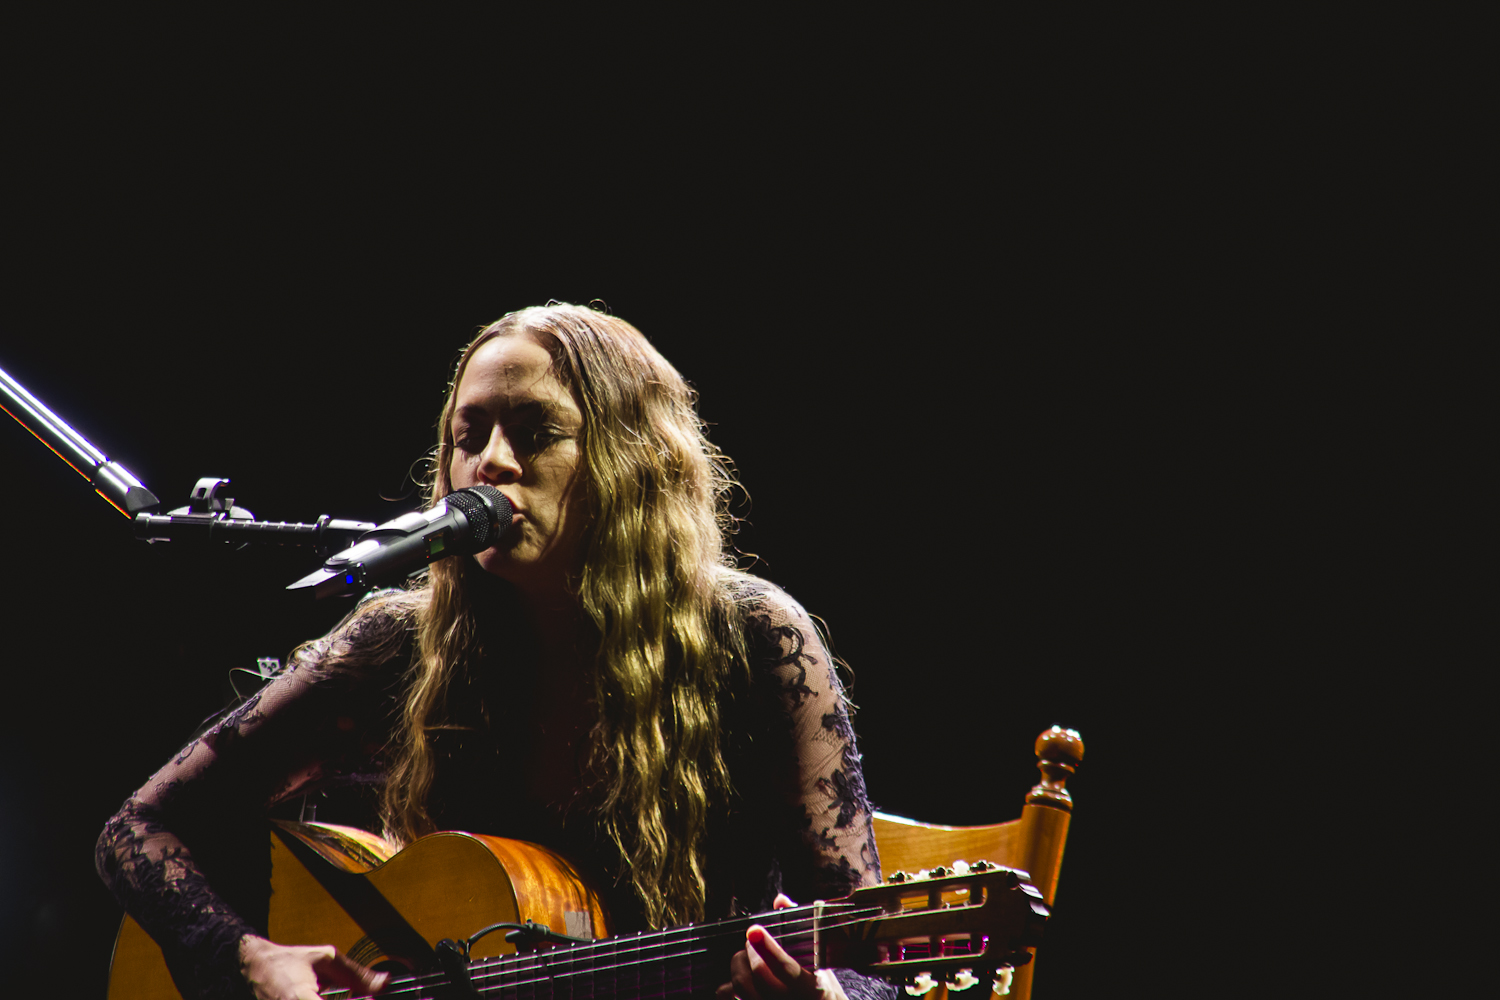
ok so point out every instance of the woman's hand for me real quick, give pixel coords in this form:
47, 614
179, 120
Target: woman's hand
284, 972
764, 971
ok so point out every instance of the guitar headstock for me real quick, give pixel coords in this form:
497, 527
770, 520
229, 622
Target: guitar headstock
963, 923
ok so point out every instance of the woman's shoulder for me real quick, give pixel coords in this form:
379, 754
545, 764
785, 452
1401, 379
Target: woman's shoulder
778, 629
759, 599
375, 631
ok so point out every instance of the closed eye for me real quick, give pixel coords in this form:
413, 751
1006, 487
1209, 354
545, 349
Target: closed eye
525, 438
533, 438
531, 427
469, 439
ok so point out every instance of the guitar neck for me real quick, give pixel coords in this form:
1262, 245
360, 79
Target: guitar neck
683, 962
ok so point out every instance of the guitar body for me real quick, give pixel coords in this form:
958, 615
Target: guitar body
340, 886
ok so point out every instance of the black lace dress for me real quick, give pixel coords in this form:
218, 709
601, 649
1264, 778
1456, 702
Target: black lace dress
186, 854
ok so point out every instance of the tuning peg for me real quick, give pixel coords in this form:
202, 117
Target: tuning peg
897, 878
1002, 981
962, 981
939, 871
981, 867
923, 983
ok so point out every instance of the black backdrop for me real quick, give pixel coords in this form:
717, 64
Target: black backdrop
976, 343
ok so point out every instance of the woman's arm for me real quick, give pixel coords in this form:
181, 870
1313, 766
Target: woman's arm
809, 778
187, 856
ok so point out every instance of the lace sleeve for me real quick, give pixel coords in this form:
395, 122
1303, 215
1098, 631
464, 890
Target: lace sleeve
811, 767
808, 768
186, 854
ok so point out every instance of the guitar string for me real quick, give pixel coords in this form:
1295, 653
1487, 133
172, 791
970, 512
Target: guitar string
657, 940
790, 928
568, 965
515, 966
483, 972
792, 933
558, 964
608, 960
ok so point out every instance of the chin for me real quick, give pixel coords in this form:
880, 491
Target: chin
504, 564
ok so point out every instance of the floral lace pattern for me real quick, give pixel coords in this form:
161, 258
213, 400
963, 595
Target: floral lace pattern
182, 854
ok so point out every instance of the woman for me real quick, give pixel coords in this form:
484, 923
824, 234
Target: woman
600, 681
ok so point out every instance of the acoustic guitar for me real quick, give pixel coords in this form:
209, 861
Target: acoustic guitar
415, 912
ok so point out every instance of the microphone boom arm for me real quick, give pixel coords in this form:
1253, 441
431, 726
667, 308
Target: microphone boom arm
206, 518
110, 480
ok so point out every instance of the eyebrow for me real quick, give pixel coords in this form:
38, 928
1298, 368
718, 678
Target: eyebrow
530, 408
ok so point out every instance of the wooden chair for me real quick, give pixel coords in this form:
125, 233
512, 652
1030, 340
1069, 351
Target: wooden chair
1033, 843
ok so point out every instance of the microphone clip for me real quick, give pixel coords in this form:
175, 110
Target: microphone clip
204, 501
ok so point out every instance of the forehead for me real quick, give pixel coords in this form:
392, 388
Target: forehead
509, 371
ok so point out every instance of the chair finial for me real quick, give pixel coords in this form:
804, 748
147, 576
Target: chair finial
1059, 751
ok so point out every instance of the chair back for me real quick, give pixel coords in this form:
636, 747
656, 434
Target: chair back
1034, 842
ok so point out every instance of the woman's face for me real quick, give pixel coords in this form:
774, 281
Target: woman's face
515, 427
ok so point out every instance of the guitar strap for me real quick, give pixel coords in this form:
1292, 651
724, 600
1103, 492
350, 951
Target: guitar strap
375, 915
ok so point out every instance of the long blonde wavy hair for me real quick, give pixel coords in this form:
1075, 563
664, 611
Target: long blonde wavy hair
652, 583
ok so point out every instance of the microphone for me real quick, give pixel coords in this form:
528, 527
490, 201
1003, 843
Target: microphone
462, 523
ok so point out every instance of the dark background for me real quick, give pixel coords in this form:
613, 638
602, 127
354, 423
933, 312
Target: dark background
991, 338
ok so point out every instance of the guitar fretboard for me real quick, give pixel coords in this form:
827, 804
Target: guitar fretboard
684, 962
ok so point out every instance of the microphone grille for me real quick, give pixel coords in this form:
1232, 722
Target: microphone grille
488, 513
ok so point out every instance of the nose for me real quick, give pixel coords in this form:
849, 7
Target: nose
499, 464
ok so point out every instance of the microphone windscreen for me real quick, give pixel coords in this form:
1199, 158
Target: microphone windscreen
488, 514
